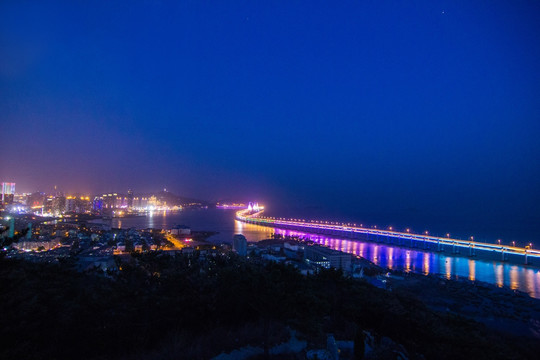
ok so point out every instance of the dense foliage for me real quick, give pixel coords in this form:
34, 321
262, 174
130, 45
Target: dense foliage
161, 306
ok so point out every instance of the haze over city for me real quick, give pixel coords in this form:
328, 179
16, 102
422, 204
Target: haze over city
259, 180
430, 108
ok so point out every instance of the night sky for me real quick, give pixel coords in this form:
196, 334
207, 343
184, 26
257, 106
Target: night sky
392, 111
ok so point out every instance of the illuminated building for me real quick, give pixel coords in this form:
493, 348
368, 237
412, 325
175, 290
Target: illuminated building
59, 205
120, 201
140, 202
71, 205
35, 200
109, 200
48, 204
327, 258
180, 230
114, 201
130, 198
77, 204
254, 207
8, 192
97, 205
153, 202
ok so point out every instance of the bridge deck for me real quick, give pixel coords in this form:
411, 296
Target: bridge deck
350, 231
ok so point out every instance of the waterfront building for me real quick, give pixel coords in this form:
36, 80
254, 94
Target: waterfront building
180, 230
130, 199
109, 200
140, 202
240, 244
114, 201
83, 204
77, 204
327, 258
153, 202
121, 202
97, 205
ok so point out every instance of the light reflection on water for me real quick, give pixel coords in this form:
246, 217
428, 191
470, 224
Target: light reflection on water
425, 267
472, 270
526, 279
515, 276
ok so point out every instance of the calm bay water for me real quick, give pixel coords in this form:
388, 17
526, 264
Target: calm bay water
514, 276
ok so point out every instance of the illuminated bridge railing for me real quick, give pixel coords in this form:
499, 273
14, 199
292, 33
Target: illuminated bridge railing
349, 231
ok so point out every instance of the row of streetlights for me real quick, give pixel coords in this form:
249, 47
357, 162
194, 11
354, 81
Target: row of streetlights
448, 236
408, 230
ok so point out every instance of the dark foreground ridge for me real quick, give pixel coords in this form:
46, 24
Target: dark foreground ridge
197, 306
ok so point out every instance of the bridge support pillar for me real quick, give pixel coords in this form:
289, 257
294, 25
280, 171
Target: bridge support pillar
439, 246
526, 257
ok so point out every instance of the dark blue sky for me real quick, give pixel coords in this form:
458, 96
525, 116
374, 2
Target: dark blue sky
361, 107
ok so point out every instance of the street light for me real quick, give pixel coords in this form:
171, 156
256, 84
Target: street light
513, 243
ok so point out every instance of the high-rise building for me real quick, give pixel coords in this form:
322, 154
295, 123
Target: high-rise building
8, 192
130, 198
71, 204
59, 205
240, 244
11, 227
35, 200
97, 205
109, 200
